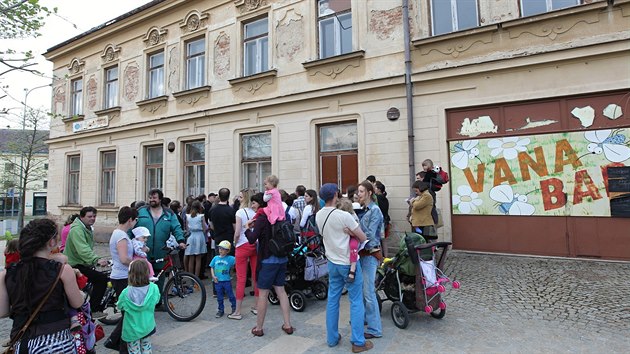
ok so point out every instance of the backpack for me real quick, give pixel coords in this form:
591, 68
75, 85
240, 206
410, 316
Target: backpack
310, 229
444, 176
441, 177
282, 239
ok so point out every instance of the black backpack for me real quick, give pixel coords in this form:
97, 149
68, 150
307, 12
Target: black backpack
282, 239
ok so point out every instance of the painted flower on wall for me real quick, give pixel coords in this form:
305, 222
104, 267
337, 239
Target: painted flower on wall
466, 200
464, 151
509, 146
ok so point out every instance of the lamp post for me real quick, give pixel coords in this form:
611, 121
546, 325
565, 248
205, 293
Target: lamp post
22, 187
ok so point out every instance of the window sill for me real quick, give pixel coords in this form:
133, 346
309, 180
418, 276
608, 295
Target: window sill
111, 208
201, 89
555, 14
107, 111
512, 23
73, 118
454, 35
149, 101
261, 75
70, 207
335, 59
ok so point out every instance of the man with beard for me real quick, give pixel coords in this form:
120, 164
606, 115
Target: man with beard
161, 222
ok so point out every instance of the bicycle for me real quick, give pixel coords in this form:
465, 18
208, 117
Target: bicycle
184, 294
113, 315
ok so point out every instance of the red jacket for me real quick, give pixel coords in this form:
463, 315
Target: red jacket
11, 258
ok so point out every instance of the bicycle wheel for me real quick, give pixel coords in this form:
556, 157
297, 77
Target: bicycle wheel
113, 315
185, 296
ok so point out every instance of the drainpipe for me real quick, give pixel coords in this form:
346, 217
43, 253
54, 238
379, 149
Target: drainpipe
409, 91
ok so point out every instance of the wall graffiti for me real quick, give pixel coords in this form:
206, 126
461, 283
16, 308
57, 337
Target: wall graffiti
561, 174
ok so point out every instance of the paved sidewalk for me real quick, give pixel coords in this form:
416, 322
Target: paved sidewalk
506, 304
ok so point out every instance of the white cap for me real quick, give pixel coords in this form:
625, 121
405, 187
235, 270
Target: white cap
141, 231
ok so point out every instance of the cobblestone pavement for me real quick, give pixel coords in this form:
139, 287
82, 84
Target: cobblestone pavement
506, 304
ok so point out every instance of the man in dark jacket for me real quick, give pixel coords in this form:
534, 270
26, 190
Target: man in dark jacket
223, 219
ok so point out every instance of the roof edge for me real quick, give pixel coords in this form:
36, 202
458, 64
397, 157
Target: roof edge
104, 25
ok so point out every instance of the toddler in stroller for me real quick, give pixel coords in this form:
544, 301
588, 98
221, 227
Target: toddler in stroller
307, 268
413, 280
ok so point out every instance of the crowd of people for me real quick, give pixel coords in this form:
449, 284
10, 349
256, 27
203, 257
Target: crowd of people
213, 232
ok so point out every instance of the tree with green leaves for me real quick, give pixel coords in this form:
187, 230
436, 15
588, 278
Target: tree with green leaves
20, 19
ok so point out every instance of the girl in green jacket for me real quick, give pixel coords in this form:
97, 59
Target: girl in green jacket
138, 302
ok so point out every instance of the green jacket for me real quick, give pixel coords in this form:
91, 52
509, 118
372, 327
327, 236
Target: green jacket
166, 225
138, 303
80, 245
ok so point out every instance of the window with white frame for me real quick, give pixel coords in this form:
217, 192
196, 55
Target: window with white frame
154, 164
195, 63
108, 177
194, 168
156, 75
76, 98
338, 154
335, 27
111, 87
74, 175
255, 159
256, 47
535, 7
453, 15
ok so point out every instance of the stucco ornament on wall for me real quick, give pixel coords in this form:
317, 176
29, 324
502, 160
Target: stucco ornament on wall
173, 64
383, 23
59, 100
249, 5
194, 21
131, 81
155, 36
222, 56
289, 34
76, 66
255, 86
92, 87
110, 53
552, 31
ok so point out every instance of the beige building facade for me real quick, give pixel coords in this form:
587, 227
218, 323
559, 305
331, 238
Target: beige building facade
190, 96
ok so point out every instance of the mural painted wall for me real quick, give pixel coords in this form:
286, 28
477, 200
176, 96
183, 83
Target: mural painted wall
560, 174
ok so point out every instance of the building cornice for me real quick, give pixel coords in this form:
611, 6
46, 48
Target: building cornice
110, 27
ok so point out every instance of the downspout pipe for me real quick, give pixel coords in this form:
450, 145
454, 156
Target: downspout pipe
409, 92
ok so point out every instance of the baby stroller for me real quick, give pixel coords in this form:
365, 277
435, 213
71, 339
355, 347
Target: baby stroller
413, 280
307, 268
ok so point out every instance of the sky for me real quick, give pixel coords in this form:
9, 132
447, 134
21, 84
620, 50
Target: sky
84, 14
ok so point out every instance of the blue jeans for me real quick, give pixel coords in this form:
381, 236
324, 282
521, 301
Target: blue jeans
225, 287
337, 275
369, 265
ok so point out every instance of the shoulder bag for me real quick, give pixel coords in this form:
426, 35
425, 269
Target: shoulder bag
20, 334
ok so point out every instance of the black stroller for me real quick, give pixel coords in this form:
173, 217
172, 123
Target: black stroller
413, 280
307, 270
